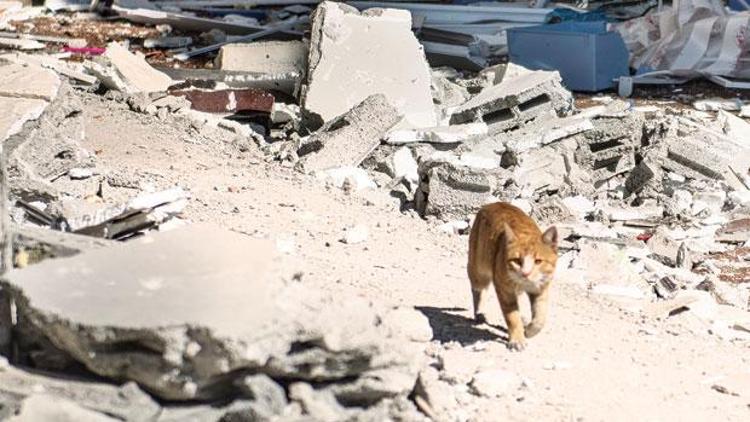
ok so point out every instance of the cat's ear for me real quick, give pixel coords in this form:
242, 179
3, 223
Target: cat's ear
510, 237
550, 237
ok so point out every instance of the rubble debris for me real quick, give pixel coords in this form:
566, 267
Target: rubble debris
287, 83
717, 104
451, 190
140, 213
341, 73
41, 407
269, 57
180, 354
515, 101
63, 68
351, 137
121, 70
354, 177
168, 42
228, 101
125, 402
609, 149
735, 231
16, 112
25, 91
438, 135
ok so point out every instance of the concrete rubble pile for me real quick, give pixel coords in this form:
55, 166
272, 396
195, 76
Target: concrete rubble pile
653, 207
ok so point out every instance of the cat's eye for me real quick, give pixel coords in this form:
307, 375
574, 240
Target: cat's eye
515, 261
538, 261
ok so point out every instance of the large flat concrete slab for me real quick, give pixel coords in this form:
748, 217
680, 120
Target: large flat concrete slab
186, 312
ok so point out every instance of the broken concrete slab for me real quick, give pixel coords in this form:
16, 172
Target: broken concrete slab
348, 139
16, 112
515, 101
28, 81
122, 70
190, 340
126, 402
540, 170
52, 147
269, 57
228, 100
342, 73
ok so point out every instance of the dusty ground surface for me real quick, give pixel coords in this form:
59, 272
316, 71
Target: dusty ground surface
596, 361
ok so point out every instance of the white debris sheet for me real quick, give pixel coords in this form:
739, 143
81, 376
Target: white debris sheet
691, 38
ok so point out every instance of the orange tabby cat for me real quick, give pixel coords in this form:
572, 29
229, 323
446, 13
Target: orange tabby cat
506, 247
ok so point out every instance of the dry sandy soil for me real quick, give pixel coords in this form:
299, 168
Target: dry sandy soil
597, 360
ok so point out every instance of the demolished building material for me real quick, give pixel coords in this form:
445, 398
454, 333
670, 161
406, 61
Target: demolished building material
451, 190
228, 100
126, 402
609, 149
515, 101
140, 213
181, 352
124, 71
351, 137
269, 57
341, 74
287, 83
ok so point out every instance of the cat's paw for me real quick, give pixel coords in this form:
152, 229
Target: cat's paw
517, 345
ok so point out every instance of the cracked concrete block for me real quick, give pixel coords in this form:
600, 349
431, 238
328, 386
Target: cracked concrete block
28, 81
121, 70
609, 149
348, 139
212, 307
348, 50
126, 402
269, 57
451, 191
699, 152
515, 101
540, 170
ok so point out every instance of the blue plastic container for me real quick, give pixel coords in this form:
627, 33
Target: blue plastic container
587, 56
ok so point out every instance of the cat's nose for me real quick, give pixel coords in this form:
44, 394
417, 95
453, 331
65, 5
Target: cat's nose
526, 273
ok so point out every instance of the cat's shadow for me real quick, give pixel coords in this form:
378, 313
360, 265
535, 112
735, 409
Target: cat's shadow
448, 325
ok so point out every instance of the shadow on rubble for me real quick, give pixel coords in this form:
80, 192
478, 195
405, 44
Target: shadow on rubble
449, 326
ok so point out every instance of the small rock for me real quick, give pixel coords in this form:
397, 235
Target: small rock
455, 227
494, 383
356, 234
80, 173
354, 176
551, 366
408, 323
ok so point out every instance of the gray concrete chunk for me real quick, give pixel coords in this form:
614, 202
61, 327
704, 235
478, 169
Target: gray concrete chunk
354, 55
351, 137
515, 101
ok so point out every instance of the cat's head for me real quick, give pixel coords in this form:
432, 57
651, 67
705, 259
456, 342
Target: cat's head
531, 258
